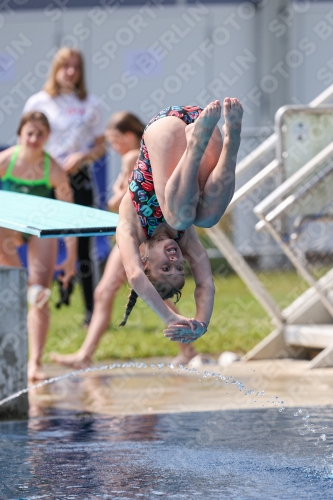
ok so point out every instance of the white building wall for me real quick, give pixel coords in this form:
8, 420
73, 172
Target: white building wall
147, 57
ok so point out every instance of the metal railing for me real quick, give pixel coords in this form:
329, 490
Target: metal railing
223, 243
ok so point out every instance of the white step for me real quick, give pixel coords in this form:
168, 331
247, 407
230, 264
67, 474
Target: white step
315, 336
307, 308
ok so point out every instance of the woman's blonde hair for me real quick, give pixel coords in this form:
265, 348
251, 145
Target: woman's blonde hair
51, 86
165, 292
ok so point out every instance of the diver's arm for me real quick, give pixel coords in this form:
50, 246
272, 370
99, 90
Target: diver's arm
197, 257
198, 260
129, 242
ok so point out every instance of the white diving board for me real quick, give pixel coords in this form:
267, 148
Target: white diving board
47, 218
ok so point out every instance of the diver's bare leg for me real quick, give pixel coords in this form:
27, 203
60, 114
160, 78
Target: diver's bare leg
175, 159
220, 185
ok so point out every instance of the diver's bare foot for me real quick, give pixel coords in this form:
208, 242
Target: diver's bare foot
202, 129
35, 374
75, 360
233, 114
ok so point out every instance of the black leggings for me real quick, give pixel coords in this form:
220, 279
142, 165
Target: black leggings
83, 195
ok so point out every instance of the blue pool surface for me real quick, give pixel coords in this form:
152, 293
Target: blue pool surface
241, 455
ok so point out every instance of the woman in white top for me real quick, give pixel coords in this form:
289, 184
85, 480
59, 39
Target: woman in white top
76, 140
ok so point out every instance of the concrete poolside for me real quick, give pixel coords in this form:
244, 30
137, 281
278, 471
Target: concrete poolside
135, 391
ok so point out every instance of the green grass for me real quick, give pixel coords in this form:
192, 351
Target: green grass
238, 321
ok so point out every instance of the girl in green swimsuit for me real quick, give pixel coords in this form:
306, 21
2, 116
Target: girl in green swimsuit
26, 168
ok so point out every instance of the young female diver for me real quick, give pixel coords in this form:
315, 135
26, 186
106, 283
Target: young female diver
123, 133
184, 176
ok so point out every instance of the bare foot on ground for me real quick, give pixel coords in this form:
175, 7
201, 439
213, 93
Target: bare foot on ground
75, 360
35, 374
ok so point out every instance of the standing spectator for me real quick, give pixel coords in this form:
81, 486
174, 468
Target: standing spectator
76, 140
27, 169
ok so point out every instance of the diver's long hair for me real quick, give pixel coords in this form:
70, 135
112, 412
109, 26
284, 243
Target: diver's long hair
165, 290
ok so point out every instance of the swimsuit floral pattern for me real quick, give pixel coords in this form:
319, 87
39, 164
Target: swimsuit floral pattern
141, 183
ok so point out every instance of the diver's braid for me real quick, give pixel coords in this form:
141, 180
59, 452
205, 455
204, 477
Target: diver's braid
129, 306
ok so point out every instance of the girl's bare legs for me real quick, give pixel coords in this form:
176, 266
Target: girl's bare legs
175, 160
42, 255
220, 185
113, 278
183, 167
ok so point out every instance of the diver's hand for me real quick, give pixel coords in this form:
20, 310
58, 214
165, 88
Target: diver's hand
185, 332
179, 329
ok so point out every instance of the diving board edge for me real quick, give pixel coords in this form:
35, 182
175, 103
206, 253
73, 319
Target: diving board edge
65, 233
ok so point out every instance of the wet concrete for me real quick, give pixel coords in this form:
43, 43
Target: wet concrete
136, 391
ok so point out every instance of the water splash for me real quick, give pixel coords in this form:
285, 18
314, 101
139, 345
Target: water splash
131, 364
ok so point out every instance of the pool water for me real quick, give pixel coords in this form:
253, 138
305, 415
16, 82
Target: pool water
235, 454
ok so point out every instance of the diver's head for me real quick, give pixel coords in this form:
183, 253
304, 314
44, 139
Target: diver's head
163, 263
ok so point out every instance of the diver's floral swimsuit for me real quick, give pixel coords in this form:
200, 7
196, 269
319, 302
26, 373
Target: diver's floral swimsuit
141, 182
